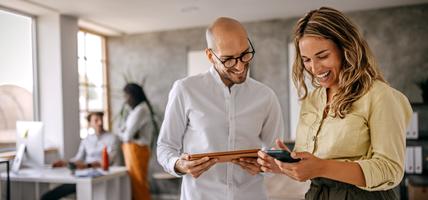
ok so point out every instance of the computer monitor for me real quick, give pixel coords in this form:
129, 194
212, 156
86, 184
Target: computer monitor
29, 144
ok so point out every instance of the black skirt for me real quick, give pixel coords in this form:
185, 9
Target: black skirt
326, 189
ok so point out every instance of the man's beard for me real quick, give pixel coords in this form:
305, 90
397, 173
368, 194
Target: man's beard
239, 79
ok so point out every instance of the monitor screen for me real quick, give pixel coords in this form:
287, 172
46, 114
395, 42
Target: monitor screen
30, 134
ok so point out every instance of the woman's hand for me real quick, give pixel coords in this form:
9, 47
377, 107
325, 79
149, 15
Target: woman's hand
248, 164
307, 168
267, 162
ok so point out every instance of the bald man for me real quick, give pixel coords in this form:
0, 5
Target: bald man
220, 110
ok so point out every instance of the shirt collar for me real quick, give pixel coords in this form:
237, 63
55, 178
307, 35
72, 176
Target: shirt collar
323, 102
217, 79
323, 96
216, 76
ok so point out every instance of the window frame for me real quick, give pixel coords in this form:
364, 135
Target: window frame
105, 85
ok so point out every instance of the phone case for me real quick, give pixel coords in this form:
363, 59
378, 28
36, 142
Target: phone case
281, 155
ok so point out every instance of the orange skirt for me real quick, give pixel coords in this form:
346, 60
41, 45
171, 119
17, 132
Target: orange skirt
137, 162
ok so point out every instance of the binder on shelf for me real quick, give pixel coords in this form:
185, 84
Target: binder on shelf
418, 161
409, 164
413, 129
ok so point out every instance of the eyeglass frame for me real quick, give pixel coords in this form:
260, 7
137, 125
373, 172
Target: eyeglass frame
236, 59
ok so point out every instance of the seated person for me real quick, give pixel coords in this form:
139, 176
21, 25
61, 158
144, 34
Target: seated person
89, 154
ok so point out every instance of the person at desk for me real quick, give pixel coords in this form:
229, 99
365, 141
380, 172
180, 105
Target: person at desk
89, 154
220, 110
352, 126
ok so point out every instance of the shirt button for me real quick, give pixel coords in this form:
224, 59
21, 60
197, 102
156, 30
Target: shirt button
314, 138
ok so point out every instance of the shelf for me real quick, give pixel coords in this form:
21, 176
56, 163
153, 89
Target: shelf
419, 104
418, 180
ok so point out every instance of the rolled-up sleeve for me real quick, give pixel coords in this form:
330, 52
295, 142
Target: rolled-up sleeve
384, 167
169, 144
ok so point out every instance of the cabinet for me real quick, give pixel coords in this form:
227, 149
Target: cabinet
415, 186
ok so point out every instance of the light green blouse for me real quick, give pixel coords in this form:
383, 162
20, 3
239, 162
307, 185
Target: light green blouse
373, 134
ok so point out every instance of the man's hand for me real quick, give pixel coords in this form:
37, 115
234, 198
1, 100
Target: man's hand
94, 164
80, 165
59, 163
248, 164
194, 168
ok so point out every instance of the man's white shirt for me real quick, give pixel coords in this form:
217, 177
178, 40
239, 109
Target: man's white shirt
91, 148
203, 115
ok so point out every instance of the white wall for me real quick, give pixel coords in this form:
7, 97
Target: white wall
58, 81
197, 62
70, 85
294, 98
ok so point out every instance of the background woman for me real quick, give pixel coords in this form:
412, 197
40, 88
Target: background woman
137, 136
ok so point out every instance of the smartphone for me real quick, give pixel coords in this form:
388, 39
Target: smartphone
282, 155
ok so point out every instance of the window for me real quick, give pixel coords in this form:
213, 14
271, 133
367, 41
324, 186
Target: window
197, 62
93, 95
18, 80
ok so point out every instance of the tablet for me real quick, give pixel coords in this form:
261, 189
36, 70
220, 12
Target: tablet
227, 156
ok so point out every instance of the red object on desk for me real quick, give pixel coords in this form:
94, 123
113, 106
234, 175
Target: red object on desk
105, 164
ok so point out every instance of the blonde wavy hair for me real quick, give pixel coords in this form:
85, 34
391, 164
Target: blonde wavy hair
359, 69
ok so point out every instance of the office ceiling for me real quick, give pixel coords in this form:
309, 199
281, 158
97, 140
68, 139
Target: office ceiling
137, 16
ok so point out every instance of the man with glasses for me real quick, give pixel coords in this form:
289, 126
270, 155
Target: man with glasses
220, 110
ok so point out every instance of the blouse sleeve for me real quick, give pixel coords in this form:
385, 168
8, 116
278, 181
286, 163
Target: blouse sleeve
389, 116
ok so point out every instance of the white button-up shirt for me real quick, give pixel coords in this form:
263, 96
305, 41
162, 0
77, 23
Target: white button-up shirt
203, 115
91, 148
138, 127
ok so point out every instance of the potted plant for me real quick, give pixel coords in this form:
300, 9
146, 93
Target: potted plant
423, 85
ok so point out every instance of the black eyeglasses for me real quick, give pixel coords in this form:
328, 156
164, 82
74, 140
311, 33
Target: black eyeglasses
245, 57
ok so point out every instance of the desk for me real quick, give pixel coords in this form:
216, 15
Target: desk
7, 177
114, 185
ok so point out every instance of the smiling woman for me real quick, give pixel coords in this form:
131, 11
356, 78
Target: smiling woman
350, 135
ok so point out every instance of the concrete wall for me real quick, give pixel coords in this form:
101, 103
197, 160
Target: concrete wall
398, 38
396, 35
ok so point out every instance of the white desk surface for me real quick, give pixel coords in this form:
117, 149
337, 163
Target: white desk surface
113, 185
60, 175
